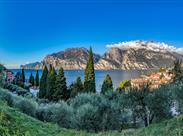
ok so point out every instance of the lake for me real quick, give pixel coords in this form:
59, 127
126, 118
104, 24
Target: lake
71, 75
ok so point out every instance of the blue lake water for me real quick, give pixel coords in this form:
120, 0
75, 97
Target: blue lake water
71, 75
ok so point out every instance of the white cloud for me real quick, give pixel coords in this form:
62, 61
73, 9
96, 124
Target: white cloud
150, 45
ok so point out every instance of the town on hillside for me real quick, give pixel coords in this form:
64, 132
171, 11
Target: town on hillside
154, 79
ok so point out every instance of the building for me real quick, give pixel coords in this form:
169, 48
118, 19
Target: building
9, 76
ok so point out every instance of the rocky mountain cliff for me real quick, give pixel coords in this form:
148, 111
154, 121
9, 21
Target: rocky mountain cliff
126, 55
70, 58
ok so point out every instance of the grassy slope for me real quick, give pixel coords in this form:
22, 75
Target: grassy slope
15, 123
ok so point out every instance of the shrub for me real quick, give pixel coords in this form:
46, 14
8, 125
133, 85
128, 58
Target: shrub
6, 96
18, 90
178, 97
107, 111
25, 105
87, 118
80, 100
60, 113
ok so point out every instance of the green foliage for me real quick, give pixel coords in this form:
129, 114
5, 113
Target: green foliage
43, 83
123, 84
14, 123
61, 91
6, 97
159, 103
37, 79
162, 69
18, 80
23, 76
51, 84
89, 83
107, 85
148, 105
1, 79
60, 113
17, 90
1, 68
178, 70
178, 97
31, 79
87, 118
95, 113
26, 106
77, 87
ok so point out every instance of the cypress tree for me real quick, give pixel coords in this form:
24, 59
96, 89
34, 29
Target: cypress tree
18, 79
23, 75
43, 83
89, 83
30, 79
51, 86
50, 68
61, 86
37, 79
107, 85
76, 87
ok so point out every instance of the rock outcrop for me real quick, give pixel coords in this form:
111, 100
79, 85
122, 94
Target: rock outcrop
126, 56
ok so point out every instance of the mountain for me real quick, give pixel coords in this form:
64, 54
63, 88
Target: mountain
70, 58
126, 55
36, 65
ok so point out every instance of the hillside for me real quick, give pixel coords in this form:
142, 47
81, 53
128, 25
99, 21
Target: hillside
126, 55
70, 58
13, 122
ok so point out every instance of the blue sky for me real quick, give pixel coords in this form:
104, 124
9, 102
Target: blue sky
31, 29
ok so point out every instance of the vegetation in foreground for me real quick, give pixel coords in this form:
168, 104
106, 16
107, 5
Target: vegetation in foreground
108, 111
15, 123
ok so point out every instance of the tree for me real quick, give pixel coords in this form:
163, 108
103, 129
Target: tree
89, 83
107, 85
178, 70
31, 79
18, 79
1, 74
43, 83
61, 86
23, 75
50, 68
37, 79
51, 86
148, 105
123, 85
76, 87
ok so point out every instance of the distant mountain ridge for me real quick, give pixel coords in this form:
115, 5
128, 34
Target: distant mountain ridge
70, 58
125, 56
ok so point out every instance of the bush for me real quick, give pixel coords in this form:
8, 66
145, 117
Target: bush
6, 96
60, 113
178, 97
25, 105
18, 90
80, 100
107, 111
87, 118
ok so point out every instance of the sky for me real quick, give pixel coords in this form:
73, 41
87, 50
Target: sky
31, 29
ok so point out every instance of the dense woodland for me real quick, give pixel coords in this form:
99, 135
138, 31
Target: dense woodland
80, 107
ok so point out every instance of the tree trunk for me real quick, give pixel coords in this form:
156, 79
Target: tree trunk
145, 122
